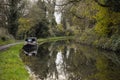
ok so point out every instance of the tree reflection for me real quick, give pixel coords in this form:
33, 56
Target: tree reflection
71, 61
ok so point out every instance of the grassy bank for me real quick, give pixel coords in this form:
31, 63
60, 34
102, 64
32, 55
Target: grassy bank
52, 39
6, 42
11, 66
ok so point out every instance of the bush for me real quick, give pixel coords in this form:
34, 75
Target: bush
89, 37
115, 43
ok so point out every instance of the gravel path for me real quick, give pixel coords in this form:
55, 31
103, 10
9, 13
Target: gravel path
8, 45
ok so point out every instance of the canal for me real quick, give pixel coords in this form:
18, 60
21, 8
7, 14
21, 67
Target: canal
64, 60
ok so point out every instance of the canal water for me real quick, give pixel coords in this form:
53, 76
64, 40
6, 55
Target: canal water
66, 60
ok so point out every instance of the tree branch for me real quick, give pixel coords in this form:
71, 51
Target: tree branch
69, 2
79, 17
103, 5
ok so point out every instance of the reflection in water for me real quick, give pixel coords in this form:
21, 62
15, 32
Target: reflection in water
70, 61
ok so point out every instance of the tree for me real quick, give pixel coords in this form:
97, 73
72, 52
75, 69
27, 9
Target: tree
3, 14
50, 8
112, 4
77, 15
40, 30
44, 20
36, 20
14, 12
23, 28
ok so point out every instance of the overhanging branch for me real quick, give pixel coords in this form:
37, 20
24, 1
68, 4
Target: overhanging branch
5, 4
79, 17
69, 2
103, 5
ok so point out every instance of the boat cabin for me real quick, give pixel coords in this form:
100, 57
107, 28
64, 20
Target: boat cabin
31, 40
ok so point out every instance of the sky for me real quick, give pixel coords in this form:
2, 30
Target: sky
58, 18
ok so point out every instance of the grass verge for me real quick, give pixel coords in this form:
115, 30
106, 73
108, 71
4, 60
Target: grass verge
11, 66
6, 42
52, 39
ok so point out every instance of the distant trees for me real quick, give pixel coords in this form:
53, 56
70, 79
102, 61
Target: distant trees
50, 9
40, 30
38, 15
41, 18
10, 13
75, 15
14, 12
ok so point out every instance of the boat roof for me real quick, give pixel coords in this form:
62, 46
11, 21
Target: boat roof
31, 38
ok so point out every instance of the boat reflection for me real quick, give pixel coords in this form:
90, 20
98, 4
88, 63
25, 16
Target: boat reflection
72, 61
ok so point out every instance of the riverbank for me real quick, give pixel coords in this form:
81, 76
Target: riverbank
11, 66
51, 39
91, 38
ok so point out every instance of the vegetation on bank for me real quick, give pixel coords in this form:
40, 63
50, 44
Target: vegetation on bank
43, 40
109, 43
5, 37
6, 42
11, 66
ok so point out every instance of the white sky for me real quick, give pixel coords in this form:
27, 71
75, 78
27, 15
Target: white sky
58, 18
58, 15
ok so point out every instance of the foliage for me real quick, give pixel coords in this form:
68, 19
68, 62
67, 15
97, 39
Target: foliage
39, 22
97, 22
61, 31
24, 27
5, 37
14, 12
107, 21
113, 5
91, 38
40, 30
10, 12
115, 42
